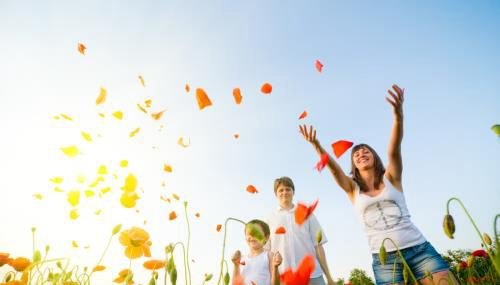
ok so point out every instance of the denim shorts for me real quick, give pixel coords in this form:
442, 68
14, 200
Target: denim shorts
421, 258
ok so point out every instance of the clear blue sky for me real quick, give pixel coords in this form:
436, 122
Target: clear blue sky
445, 54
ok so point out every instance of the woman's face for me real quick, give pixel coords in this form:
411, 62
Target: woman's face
363, 158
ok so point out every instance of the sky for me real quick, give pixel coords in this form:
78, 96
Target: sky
445, 54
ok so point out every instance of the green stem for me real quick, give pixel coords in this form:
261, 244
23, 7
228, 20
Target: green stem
103, 254
224, 245
186, 260
166, 271
184, 256
488, 250
402, 258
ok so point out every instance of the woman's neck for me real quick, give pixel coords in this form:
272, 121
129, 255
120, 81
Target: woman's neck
369, 178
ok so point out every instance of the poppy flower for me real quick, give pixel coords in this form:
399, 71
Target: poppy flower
98, 268
280, 231
202, 98
122, 276
136, 242
4, 258
154, 264
303, 212
302, 275
341, 146
479, 253
266, 88
20, 263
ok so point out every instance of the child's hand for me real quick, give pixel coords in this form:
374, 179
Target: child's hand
277, 259
236, 257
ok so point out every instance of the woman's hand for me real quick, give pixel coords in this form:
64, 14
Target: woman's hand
309, 135
396, 98
236, 259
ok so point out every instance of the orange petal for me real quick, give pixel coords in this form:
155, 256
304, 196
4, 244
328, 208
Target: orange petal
303, 115
197, 215
202, 98
339, 147
252, 189
98, 268
266, 88
167, 168
237, 95
187, 88
219, 226
302, 212
302, 275
81, 48
154, 264
318, 65
280, 230
172, 216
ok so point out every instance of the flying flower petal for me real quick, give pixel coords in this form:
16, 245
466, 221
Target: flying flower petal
86, 136
118, 115
103, 170
172, 216
252, 189
341, 146
129, 199
99, 268
318, 65
130, 183
134, 132
38, 196
197, 215
66, 117
202, 98
302, 275
187, 88
148, 103
81, 48
74, 198
280, 231
266, 88
158, 115
182, 143
175, 196
237, 95
303, 212
303, 115
56, 180
236, 136
167, 168
154, 264
73, 214
323, 162
70, 151
124, 163
218, 227
141, 79
102, 96
142, 109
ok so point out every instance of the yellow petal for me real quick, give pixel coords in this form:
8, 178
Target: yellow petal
134, 132
102, 96
74, 198
133, 252
124, 163
74, 243
57, 189
98, 212
73, 214
56, 180
102, 115
182, 143
38, 196
118, 115
148, 103
66, 117
89, 193
158, 115
142, 81
70, 151
102, 170
87, 136
128, 199
130, 183
105, 190
167, 168
56, 117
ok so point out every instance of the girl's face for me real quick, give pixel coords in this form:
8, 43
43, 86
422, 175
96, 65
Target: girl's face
252, 242
363, 158
284, 195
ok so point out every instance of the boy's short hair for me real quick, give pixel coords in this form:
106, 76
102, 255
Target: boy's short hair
263, 225
287, 181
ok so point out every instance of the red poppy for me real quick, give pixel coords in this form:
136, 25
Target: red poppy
302, 275
463, 264
480, 253
303, 212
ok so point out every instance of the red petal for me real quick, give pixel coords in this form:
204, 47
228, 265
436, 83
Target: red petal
323, 162
266, 88
300, 214
339, 147
280, 230
202, 98
319, 66
303, 115
252, 189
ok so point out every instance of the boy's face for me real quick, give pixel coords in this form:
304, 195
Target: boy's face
252, 242
284, 195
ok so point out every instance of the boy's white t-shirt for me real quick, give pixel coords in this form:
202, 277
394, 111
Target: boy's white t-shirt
255, 269
297, 242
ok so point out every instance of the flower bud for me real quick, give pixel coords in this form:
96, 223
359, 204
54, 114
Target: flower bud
382, 253
487, 239
449, 226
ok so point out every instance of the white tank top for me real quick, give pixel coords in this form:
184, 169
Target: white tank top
256, 269
386, 216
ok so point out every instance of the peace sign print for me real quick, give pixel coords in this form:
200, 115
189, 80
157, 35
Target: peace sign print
382, 215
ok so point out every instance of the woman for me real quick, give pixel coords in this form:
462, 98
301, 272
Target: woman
377, 195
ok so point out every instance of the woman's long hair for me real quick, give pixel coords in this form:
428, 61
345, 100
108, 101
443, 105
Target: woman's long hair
379, 168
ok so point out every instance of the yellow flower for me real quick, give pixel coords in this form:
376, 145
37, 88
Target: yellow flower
122, 276
20, 263
136, 242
